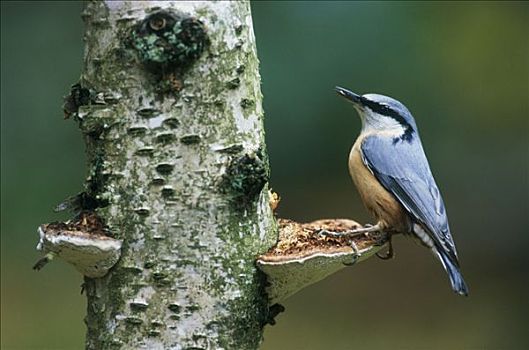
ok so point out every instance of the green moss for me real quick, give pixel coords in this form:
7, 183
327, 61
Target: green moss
245, 178
251, 311
167, 39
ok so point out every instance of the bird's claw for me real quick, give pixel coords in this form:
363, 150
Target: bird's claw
363, 231
327, 233
390, 254
355, 254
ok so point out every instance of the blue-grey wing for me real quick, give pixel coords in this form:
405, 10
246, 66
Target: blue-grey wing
402, 168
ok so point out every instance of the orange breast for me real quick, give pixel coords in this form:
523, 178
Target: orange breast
382, 204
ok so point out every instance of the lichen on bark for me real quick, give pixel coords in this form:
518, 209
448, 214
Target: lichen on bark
159, 149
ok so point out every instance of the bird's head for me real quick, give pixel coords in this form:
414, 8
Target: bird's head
381, 113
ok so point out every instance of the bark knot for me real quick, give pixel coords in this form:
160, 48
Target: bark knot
168, 42
245, 178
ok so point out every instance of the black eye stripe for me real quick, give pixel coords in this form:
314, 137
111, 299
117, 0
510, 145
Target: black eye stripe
389, 112
385, 110
378, 107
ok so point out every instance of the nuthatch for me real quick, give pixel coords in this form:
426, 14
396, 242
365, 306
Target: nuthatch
392, 175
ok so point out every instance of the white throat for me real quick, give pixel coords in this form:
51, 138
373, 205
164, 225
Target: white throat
374, 122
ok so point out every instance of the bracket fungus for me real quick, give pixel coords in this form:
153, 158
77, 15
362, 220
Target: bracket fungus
307, 253
82, 243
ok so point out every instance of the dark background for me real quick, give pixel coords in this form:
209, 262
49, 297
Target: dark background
461, 68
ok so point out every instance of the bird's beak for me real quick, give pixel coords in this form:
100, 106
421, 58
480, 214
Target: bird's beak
351, 96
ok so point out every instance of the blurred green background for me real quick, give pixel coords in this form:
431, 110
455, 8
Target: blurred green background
461, 68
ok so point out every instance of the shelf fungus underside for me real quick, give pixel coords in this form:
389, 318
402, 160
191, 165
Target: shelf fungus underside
82, 243
307, 253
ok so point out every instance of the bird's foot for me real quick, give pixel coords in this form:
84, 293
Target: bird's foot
355, 254
364, 231
390, 254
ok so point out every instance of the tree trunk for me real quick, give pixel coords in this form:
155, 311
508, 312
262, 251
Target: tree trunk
176, 212
170, 106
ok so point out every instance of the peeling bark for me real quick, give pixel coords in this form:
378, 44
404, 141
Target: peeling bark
178, 171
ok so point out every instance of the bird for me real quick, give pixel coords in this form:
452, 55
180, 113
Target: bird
391, 172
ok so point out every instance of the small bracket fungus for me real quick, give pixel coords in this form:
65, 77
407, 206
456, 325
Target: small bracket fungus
306, 254
81, 243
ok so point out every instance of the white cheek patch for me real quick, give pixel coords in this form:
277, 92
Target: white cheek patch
376, 122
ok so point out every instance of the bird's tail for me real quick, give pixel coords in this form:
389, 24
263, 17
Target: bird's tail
456, 278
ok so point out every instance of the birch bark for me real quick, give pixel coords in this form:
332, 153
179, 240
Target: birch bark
178, 171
